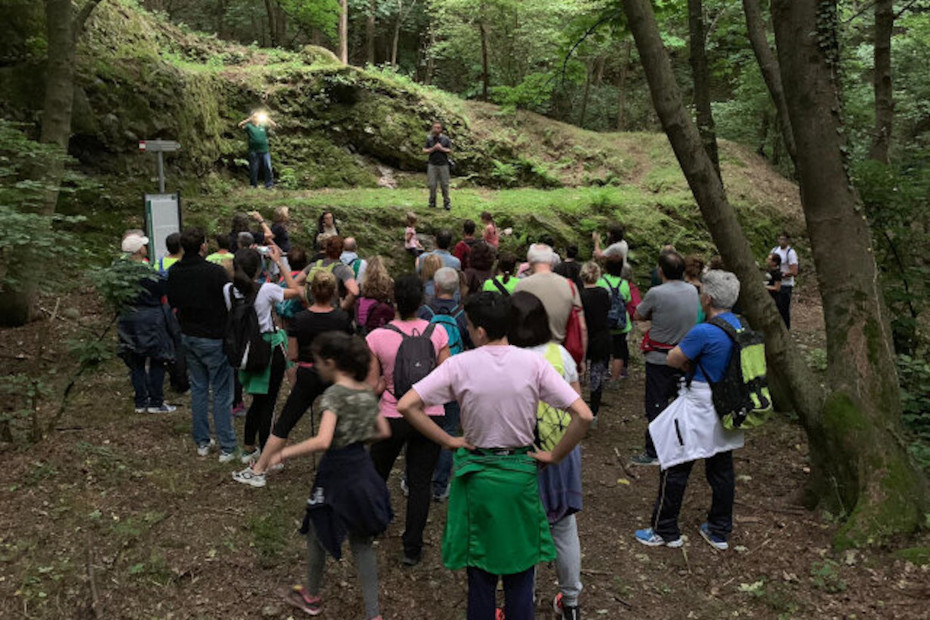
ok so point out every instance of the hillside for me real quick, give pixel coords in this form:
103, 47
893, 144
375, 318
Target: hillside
347, 128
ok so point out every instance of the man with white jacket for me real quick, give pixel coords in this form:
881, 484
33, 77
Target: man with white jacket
690, 429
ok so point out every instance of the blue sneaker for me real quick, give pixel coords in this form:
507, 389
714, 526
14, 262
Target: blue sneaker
649, 538
717, 542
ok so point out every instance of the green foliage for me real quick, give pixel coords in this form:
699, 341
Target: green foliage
120, 283
897, 203
825, 575
322, 15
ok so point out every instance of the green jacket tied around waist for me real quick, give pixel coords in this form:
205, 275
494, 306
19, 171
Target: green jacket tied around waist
257, 382
496, 521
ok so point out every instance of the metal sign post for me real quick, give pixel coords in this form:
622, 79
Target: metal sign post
160, 147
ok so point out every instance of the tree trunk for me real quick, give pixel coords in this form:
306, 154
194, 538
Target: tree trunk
430, 61
624, 73
857, 451
370, 33
768, 65
272, 30
484, 57
344, 32
218, 17
833, 421
599, 64
584, 97
701, 76
280, 25
395, 40
884, 102
59, 95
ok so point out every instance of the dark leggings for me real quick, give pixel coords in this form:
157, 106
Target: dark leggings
422, 455
258, 417
518, 595
306, 389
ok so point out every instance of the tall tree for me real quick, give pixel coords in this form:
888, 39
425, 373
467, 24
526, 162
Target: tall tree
63, 28
768, 65
485, 70
370, 32
881, 78
621, 86
868, 466
858, 465
701, 77
344, 31
272, 25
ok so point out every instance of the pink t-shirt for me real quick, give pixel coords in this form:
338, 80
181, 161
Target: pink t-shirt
498, 388
413, 241
491, 236
384, 343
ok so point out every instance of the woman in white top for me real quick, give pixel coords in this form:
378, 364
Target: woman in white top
264, 385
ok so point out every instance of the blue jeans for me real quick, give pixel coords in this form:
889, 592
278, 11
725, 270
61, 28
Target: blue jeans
210, 371
444, 466
260, 162
148, 384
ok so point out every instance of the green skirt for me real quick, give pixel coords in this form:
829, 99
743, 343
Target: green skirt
496, 521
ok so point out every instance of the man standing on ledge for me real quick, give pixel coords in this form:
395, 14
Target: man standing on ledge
438, 146
256, 126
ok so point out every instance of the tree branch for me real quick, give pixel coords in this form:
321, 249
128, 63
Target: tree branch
587, 34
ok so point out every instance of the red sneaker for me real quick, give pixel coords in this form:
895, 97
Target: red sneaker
299, 598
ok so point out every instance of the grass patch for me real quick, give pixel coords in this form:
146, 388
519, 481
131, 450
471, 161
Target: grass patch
270, 531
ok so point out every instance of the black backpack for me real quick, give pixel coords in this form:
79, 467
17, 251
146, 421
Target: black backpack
616, 316
415, 359
244, 346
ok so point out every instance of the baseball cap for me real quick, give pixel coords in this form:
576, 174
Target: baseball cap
134, 243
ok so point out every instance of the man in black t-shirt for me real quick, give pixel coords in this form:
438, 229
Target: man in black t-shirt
438, 146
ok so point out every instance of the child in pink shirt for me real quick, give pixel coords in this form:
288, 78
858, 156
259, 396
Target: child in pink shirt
411, 243
496, 525
490, 234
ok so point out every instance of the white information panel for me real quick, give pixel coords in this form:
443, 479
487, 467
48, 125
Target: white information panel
162, 217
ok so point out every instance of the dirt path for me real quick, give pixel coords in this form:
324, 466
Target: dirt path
119, 505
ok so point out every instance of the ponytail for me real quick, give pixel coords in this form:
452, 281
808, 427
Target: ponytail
247, 264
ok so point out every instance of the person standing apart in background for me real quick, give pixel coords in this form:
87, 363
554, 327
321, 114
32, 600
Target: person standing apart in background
256, 127
438, 146
490, 234
789, 269
411, 243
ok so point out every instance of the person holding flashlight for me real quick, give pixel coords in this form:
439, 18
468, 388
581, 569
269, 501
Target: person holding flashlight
256, 127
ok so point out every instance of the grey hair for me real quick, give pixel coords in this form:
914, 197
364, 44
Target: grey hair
541, 253
446, 280
722, 287
245, 239
349, 244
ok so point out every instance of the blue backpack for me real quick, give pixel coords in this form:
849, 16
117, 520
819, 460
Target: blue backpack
449, 321
616, 316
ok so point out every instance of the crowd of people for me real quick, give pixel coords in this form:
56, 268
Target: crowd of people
471, 365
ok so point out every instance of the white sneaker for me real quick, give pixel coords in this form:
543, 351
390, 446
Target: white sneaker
165, 408
249, 477
226, 457
248, 458
276, 468
204, 450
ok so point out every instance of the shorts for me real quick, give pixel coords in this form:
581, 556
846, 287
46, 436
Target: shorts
619, 349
